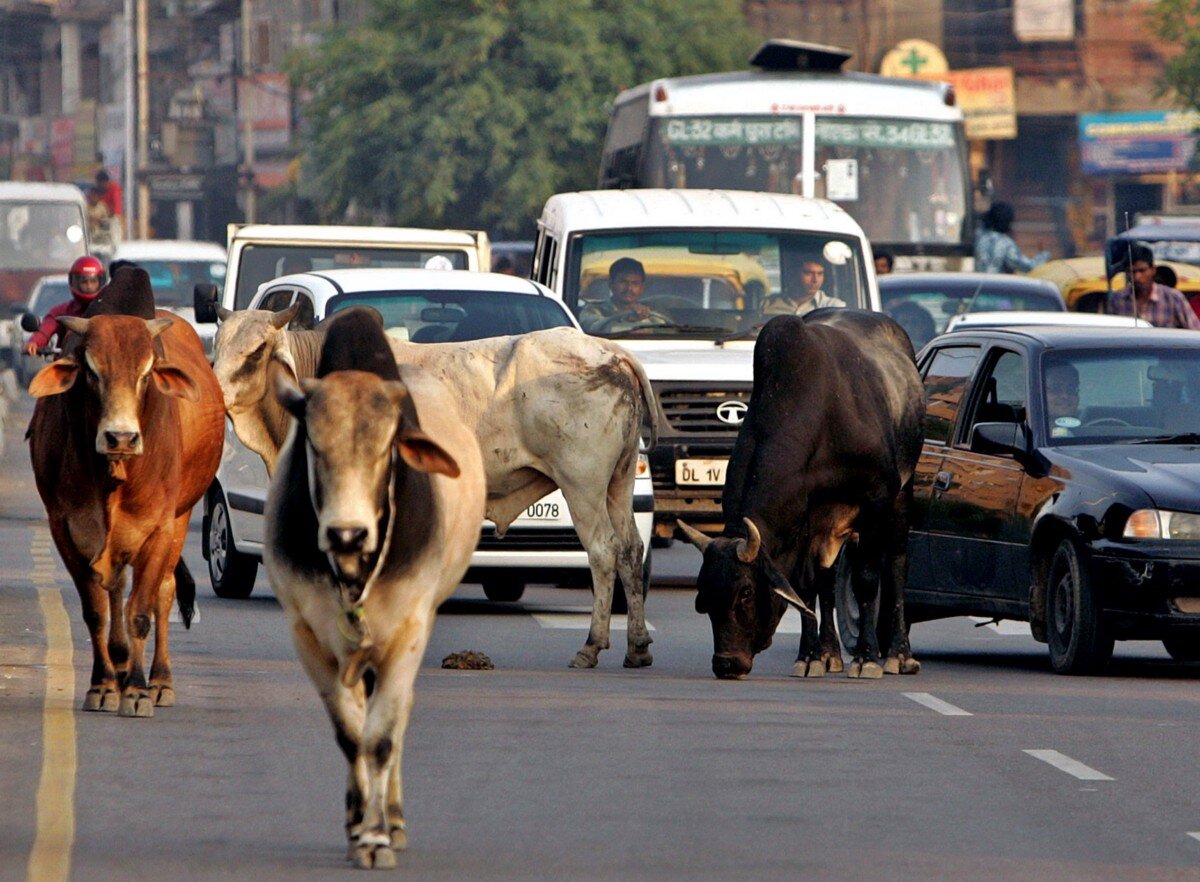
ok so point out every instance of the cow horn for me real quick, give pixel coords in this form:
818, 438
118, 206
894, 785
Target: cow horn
695, 536
747, 550
158, 325
223, 313
282, 318
74, 323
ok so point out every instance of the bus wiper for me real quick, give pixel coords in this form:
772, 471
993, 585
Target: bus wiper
740, 335
1181, 438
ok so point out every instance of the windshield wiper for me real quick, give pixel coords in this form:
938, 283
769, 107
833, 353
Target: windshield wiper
640, 329
1181, 438
742, 334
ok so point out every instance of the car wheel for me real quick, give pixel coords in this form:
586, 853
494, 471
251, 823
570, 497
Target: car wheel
620, 605
1079, 642
231, 572
503, 590
1182, 649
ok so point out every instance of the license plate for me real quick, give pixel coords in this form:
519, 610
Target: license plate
544, 510
700, 472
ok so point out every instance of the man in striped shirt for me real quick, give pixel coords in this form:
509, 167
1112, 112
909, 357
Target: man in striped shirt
1144, 298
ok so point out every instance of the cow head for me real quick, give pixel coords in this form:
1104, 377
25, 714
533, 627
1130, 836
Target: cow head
247, 345
116, 364
743, 593
358, 433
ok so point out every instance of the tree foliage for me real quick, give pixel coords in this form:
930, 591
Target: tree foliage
1177, 24
470, 113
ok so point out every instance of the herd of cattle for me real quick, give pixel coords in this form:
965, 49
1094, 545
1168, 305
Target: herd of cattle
385, 456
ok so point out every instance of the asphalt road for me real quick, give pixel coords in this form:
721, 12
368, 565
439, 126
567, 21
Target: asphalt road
985, 766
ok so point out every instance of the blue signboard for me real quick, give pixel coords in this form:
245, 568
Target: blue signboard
1138, 143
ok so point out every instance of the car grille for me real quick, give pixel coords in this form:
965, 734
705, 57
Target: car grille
692, 408
529, 539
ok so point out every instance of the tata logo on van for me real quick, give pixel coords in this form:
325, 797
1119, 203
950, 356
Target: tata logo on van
731, 412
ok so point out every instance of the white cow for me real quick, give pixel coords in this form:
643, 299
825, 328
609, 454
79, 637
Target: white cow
551, 409
372, 516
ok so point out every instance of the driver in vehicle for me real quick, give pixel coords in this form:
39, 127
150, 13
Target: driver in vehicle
624, 309
1062, 399
811, 296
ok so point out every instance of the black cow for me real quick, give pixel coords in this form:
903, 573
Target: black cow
824, 459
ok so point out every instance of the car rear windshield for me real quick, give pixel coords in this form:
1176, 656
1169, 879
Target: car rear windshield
456, 316
924, 310
173, 280
261, 263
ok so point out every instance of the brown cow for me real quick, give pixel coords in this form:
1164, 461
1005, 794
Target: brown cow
123, 443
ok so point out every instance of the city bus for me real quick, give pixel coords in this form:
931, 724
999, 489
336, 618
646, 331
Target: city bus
890, 151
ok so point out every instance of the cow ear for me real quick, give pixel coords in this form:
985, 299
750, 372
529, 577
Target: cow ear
778, 583
422, 453
292, 398
283, 360
172, 381
55, 378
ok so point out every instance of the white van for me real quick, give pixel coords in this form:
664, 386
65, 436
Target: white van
713, 259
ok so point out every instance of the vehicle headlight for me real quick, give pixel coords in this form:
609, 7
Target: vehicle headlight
1149, 523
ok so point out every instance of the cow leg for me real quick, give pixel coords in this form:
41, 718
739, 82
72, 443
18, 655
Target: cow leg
809, 661
347, 712
596, 533
102, 694
865, 662
162, 687
831, 646
383, 828
629, 566
152, 565
900, 658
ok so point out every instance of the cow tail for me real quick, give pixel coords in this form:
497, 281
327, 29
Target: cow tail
185, 593
648, 400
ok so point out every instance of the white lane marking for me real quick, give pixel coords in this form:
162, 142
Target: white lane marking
580, 622
1006, 627
1064, 763
944, 708
1195, 835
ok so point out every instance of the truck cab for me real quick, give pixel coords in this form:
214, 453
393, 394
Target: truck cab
717, 265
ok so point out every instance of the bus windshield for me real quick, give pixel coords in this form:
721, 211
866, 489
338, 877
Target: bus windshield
903, 180
707, 284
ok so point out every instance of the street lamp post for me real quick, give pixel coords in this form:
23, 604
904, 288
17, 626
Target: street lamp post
247, 108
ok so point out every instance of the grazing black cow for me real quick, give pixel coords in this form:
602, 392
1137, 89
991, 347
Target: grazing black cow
826, 454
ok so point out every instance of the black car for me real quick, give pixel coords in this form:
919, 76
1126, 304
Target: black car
1059, 483
924, 303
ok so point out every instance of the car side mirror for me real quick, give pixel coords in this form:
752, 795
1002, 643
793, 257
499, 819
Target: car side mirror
1000, 439
29, 322
204, 302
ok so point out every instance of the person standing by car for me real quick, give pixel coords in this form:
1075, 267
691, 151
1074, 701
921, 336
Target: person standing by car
1146, 299
995, 249
85, 279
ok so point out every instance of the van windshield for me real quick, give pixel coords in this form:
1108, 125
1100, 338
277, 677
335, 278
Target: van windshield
705, 283
261, 263
40, 235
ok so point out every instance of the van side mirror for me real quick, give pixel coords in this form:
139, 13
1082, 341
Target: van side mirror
29, 322
204, 301
1000, 439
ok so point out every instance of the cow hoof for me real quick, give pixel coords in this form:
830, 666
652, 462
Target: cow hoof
891, 665
585, 658
834, 664
136, 704
374, 857
809, 668
869, 670
399, 839
909, 665
641, 659
164, 696
98, 699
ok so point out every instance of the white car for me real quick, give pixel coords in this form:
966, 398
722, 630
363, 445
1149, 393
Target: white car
47, 292
421, 306
970, 321
175, 267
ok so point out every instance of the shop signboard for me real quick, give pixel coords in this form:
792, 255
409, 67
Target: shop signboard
1144, 142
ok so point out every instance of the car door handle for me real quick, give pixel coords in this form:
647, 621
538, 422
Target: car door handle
942, 482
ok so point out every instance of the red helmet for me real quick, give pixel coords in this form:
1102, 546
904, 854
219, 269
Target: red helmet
83, 268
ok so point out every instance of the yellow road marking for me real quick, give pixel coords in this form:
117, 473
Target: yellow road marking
50, 858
